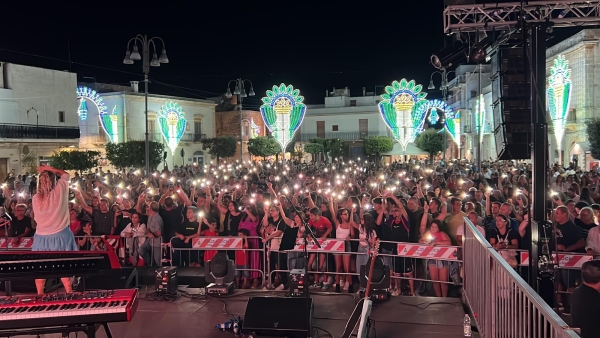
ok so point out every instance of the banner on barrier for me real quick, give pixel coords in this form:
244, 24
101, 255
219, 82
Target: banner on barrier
328, 245
23, 243
524, 259
428, 251
572, 260
218, 243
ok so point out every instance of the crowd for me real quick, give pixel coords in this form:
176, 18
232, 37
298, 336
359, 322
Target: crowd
269, 203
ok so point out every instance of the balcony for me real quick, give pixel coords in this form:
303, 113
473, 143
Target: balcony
28, 131
344, 136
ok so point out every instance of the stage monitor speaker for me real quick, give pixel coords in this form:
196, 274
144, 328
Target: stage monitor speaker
511, 89
277, 317
123, 278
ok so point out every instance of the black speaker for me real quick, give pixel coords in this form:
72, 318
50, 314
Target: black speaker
511, 89
278, 317
123, 278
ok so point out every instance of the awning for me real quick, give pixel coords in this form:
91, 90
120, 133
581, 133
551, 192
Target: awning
580, 148
411, 149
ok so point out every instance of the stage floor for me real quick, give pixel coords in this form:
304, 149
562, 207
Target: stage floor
406, 317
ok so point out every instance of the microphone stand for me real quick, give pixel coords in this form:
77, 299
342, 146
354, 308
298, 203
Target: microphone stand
307, 232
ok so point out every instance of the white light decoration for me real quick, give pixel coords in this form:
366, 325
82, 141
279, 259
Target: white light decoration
90, 94
283, 112
172, 122
480, 117
559, 97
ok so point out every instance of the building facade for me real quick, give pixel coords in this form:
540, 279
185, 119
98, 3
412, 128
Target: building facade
119, 116
582, 53
349, 118
471, 95
38, 115
231, 121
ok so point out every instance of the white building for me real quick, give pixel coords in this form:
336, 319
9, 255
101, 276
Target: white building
463, 96
582, 52
349, 118
39, 115
128, 123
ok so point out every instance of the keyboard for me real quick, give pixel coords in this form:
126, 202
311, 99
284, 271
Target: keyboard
68, 309
48, 264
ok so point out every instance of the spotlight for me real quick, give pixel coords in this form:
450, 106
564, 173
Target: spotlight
220, 274
450, 55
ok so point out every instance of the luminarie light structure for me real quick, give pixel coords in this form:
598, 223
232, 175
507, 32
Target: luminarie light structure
398, 110
255, 128
283, 112
110, 124
172, 122
559, 97
480, 117
84, 93
435, 111
452, 123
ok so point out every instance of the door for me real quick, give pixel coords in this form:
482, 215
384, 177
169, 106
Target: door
321, 129
363, 127
3, 168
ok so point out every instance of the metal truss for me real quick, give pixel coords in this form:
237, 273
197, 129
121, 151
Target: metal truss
505, 15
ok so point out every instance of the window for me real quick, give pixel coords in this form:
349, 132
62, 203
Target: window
352, 103
61, 116
334, 127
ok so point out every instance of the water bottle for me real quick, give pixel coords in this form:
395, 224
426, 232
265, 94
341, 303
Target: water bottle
467, 326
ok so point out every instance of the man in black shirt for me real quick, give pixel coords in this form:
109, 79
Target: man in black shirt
184, 232
415, 214
568, 239
585, 301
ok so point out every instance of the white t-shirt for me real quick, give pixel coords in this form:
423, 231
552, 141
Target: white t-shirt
52, 216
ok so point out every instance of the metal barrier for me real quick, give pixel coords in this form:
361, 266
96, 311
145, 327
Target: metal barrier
411, 251
502, 303
205, 243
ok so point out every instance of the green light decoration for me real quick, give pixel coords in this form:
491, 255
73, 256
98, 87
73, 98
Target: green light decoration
172, 122
452, 123
398, 110
559, 97
110, 124
82, 111
283, 112
480, 117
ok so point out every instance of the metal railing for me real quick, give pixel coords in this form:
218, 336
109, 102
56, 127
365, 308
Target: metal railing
344, 136
502, 303
38, 132
190, 137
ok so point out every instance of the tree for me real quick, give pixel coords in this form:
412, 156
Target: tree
263, 146
80, 160
378, 144
336, 148
222, 146
593, 132
132, 154
430, 141
313, 148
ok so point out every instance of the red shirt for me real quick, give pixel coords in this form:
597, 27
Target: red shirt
321, 226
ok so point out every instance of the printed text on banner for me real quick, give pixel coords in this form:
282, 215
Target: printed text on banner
428, 251
219, 243
328, 245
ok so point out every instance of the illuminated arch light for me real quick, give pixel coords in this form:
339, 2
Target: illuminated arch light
110, 124
283, 112
480, 117
452, 123
90, 94
559, 96
398, 111
437, 110
172, 122
255, 129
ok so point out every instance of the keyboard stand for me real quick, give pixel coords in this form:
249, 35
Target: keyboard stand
88, 329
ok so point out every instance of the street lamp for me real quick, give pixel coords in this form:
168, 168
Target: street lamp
444, 88
134, 54
240, 91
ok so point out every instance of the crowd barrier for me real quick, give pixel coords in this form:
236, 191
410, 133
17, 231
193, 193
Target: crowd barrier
411, 251
230, 244
503, 304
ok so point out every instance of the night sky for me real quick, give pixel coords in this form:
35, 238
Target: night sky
313, 45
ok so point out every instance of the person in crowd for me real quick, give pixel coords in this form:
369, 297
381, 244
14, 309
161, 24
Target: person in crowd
585, 300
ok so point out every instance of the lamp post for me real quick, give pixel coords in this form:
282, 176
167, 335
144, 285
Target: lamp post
240, 91
444, 88
134, 54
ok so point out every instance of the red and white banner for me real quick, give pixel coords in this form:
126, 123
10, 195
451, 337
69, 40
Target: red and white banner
328, 245
218, 243
24, 243
524, 258
572, 261
428, 251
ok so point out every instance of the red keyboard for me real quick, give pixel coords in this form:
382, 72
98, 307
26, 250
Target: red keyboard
68, 309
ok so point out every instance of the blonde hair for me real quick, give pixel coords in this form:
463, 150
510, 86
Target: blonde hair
45, 186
